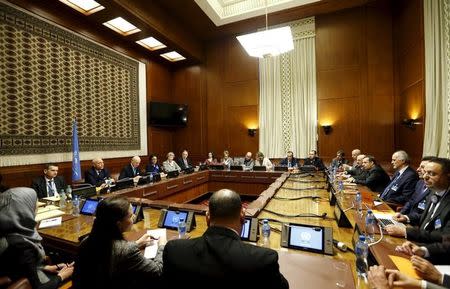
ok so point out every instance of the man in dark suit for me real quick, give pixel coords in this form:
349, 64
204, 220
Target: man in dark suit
97, 174
314, 160
184, 162
132, 170
289, 161
356, 171
413, 209
403, 183
219, 259
376, 178
435, 220
49, 184
437, 253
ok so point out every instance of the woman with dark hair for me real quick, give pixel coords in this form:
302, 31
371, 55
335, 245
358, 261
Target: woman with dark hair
22, 253
153, 166
211, 160
107, 260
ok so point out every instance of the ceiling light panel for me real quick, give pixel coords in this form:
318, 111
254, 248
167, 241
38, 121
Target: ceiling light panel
151, 43
121, 26
87, 7
173, 56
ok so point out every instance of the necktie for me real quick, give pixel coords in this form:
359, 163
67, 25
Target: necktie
50, 190
391, 184
430, 214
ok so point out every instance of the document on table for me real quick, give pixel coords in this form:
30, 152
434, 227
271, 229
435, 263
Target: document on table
50, 222
152, 249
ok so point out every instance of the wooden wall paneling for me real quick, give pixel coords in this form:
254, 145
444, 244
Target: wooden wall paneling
238, 118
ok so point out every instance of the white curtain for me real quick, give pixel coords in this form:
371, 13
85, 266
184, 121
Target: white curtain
437, 77
288, 102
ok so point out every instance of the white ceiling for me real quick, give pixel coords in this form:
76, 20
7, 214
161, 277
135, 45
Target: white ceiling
223, 12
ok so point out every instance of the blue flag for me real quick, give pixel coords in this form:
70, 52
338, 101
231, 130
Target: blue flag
76, 168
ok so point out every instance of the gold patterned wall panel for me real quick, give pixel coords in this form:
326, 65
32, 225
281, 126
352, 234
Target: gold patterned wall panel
48, 75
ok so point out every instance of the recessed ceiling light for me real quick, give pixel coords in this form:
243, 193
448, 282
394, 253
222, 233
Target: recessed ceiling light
121, 26
173, 56
87, 7
151, 43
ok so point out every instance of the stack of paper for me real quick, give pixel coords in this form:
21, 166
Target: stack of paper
152, 249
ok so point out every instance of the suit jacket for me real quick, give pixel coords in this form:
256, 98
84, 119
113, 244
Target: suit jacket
355, 171
294, 163
435, 286
153, 168
376, 179
127, 172
180, 162
316, 161
440, 253
336, 163
402, 188
219, 259
39, 184
411, 208
91, 176
432, 234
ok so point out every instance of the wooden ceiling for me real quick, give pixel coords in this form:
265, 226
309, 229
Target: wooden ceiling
179, 24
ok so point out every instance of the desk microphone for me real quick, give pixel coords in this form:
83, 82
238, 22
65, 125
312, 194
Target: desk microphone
340, 245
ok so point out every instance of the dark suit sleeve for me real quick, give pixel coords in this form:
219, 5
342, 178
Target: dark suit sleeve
446, 281
35, 185
135, 262
273, 276
89, 178
422, 236
407, 191
123, 173
370, 180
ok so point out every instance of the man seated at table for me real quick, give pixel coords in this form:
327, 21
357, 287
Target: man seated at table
153, 166
414, 208
357, 169
50, 184
170, 165
183, 162
131, 170
289, 161
248, 163
261, 160
437, 253
97, 174
403, 183
219, 258
314, 160
376, 179
435, 220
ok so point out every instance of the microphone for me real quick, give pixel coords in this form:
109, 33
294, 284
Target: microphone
340, 245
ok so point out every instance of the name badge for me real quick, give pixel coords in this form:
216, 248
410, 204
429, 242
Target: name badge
394, 188
437, 224
422, 205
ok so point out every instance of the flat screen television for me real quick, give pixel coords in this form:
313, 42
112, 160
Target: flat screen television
167, 114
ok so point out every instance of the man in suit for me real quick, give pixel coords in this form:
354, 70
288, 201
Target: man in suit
437, 253
357, 171
314, 160
338, 161
50, 184
184, 162
97, 174
289, 161
376, 178
132, 170
248, 162
219, 259
435, 220
413, 209
403, 183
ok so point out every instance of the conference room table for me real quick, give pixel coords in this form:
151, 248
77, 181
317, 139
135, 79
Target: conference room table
302, 269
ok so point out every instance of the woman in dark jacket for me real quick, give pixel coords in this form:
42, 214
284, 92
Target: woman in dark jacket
107, 260
23, 255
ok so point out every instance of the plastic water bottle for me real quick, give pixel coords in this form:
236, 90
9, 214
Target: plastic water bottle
151, 178
75, 206
181, 229
361, 251
62, 199
266, 233
358, 204
69, 192
370, 226
341, 187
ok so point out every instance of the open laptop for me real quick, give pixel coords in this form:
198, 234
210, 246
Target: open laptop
216, 167
281, 169
259, 168
385, 219
173, 174
236, 168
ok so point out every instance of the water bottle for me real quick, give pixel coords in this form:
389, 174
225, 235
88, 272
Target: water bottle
62, 199
181, 228
361, 251
370, 226
151, 178
358, 204
266, 233
341, 187
69, 192
75, 206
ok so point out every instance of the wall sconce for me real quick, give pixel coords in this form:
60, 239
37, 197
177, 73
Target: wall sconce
327, 129
252, 132
410, 123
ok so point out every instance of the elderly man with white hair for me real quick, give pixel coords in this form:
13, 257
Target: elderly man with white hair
97, 174
131, 170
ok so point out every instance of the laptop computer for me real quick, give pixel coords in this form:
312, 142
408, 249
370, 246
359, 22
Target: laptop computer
173, 174
281, 169
259, 168
188, 170
308, 168
122, 183
236, 168
84, 192
216, 167
156, 177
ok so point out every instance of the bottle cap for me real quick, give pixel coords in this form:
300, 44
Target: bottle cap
369, 211
362, 237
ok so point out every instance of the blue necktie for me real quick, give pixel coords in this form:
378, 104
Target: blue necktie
391, 184
51, 192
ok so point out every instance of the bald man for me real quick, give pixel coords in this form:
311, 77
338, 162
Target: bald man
219, 259
97, 174
132, 170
